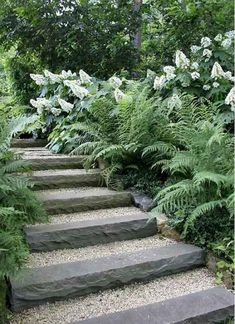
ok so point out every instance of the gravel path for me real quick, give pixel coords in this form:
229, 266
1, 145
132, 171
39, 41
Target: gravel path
110, 301
95, 214
97, 251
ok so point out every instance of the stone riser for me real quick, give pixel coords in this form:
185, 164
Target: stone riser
22, 143
80, 204
56, 163
73, 181
57, 282
213, 305
86, 233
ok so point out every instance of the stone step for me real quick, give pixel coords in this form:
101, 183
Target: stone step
52, 179
56, 161
58, 282
49, 237
118, 299
82, 199
29, 142
40, 158
209, 306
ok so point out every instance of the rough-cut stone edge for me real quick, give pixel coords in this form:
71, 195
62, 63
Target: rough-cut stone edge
29, 143
85, 203
46, 163
66, 180
56, 282
204, 307
87, 233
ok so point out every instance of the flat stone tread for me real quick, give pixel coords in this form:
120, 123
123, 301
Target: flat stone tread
95, 214
84, 223
42, 259
195, 308
61, 271
63, 194
54, 156
61, 172
119, 299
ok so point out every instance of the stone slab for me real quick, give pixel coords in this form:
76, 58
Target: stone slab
50, 237
52, 179
213, 305
56, 162
29, 142
70, 201
61, 281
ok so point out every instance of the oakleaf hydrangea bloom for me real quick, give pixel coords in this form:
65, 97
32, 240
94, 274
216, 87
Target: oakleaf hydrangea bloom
66, 106
226, 43
41, 104
118, 95
77, 90
207, 53
67, 74
195, 66
55, 111
170, 72
85, 78
181, 60
217, 71
230, 99
115, 82
228, 76
206, 87
54, 78
218, 38
159, 82
216, 84
205, 42
194, 49
230, 34
195, 75
39, 79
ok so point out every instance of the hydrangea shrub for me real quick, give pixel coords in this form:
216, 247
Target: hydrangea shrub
206, 73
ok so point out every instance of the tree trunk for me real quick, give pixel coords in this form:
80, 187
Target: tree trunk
2, 302
137, 36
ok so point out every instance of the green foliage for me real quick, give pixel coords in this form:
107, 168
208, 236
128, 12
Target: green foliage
171, 25
18, 206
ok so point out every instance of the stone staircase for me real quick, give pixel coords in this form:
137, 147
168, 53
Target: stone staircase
98, 244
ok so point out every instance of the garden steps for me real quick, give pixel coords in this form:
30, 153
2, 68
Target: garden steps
29, 142
82, 199
65, 280
209, 306
97, 240
68, 178
49, 237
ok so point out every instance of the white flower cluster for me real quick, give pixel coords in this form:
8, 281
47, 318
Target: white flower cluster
66, 106
41, 104
77, 90
115, 82
67, 74
53, 78
85, 78
39, 79
170, 72
230, 99
118, 95
181, 61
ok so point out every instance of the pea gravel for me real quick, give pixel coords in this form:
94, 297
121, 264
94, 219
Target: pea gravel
95, 214
97, 251
109, 301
